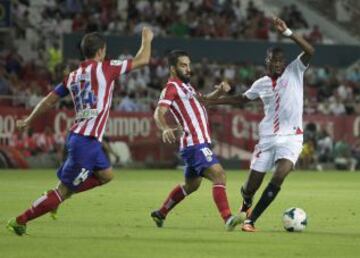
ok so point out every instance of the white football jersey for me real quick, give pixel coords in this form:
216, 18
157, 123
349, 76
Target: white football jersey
283, 100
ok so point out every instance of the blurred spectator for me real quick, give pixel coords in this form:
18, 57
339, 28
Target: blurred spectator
128, 103
324, 149
54, 57
293, 17
342, 156
315, 35
5, 87
307, 156
337, 108
355, 153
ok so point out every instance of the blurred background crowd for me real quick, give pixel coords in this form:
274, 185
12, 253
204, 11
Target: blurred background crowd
34, 64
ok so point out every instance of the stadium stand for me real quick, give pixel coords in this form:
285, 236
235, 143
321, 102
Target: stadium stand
30, 69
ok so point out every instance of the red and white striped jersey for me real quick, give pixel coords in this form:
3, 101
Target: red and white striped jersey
91, 87
283, 100
187, 111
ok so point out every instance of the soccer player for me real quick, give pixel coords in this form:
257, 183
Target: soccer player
180, 97
281, 133
91, 88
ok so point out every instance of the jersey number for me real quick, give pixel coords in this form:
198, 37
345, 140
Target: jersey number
84, 97
81, 177
208, 154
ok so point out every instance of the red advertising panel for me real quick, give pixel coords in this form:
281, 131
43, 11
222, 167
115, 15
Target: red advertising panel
237, 129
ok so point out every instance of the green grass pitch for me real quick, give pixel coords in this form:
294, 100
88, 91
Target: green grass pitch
113, 221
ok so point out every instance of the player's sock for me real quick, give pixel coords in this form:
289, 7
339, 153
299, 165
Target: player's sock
176, 196
247, 200
220, 198
41, 206
88, 184
266, 198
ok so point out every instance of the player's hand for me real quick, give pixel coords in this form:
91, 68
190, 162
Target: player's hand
224, 86
147, 33
168, 135
22, 124
279, 24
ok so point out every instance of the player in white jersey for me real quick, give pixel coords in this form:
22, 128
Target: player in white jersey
281, 133
91, 87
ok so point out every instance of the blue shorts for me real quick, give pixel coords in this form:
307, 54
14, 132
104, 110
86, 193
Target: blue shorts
197, 158
85, 155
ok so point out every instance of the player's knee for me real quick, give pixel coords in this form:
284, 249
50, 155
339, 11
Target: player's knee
190, 188
277, 180
219, 177
105, 176
64, 192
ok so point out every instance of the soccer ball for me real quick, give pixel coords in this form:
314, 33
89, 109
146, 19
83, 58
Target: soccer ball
294, 220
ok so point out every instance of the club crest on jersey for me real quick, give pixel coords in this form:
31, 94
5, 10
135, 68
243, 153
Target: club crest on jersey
283, 83
116, 62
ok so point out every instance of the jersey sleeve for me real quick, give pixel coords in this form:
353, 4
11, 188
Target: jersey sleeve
117, 67
168, 95
297, 66
253, 92
61, 89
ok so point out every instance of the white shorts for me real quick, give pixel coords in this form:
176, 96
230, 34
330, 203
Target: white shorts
272, 148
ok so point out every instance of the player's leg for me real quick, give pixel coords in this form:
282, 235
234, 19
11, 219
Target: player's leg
286, 155
77, 168
262, 161
98, 178
44, 204
249, 188
192, 183
283, 168
216, 175
103, 172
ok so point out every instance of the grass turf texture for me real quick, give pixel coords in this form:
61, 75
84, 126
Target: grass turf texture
114, 221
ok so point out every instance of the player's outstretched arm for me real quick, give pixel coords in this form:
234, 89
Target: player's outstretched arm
44, 105
142, 57
220, 90
308, 49
227, 100
168, 133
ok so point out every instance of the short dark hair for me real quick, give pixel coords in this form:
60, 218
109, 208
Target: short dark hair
274, 51
173, 56
91, 43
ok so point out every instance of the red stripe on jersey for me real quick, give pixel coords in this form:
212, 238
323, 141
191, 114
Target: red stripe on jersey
207, 122
95, 87
103, 122
180, 119
83, 128
104, 114
73, 77
94, 80
98, 118
198, 117
188, 121
273, 82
